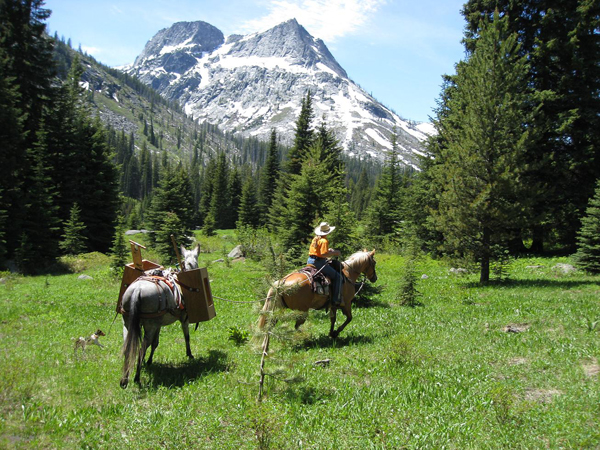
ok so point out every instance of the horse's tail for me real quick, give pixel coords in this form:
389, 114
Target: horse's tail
272, 302
131, 344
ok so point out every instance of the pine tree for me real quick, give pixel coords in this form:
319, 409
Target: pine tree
26, 56
119, 252
560, 40
38, 237
173, 195
220, 201
268, 180
360, 194
588, 237
248, 211
11, 138
384, 212
207, 189
304, 136
171, 225
74, 240
309, 194
478, 167
235, 192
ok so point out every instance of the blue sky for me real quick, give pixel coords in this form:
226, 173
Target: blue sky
397, 50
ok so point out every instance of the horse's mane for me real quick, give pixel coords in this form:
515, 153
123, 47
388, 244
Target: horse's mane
360, 255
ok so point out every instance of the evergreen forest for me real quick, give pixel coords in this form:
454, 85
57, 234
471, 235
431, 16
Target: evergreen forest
511, 168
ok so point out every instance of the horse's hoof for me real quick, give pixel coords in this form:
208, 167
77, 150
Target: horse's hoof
190, 356
333, 334
124, 383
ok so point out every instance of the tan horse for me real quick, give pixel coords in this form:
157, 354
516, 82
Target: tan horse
294, 292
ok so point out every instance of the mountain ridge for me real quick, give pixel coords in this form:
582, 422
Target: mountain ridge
254, 83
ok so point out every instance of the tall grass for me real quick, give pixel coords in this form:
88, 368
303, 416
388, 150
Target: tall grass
443, 373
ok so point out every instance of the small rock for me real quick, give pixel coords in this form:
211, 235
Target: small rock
237, 260
130, 232
84, 277
458, 271
424, 277
236, 252
323, 362
564, 268
534, 267
219, 260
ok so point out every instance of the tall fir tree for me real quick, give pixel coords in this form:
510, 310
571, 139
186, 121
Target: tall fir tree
119, 251
220, 201
39, 230
235, 190
26, 56
12, 137
384, 212
478, 170
74, 239
307, 201
360, 194
207, 189
268, 180
562, 43
248, 212
303, 138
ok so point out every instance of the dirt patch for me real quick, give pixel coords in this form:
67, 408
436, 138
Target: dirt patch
517, 361
516, 327
591, 368
541, 395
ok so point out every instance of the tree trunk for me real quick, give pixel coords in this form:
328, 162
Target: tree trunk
537, 245
515, 244
485, 257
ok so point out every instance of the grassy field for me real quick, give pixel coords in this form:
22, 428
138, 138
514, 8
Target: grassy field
445, 374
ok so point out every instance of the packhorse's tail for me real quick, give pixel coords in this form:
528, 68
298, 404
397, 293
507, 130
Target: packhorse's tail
272, 302
131, 344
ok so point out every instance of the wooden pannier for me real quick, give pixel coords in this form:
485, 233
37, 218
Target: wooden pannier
197, 296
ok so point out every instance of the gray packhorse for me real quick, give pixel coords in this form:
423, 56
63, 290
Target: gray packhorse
148, 304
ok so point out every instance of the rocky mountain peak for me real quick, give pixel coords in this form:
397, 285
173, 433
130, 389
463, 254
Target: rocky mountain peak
192, 38
252, 84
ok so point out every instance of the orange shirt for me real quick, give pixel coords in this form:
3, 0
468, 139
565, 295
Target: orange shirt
319, 246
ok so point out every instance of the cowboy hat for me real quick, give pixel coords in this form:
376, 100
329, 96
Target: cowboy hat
323, 229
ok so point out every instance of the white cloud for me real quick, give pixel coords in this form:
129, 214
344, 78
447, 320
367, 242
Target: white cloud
325, 19
94, 51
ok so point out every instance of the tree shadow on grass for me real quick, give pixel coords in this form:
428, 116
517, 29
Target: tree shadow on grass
177, 375
368, 297
307, 395
556, 283
324, 341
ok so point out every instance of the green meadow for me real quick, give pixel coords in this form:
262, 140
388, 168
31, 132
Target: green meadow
513, 364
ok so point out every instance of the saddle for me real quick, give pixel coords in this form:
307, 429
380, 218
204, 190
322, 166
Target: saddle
319, 283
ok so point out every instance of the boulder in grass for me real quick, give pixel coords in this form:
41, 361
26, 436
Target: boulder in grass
236, 252
564, 268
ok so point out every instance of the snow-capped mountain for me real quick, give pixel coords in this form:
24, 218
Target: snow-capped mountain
251, 84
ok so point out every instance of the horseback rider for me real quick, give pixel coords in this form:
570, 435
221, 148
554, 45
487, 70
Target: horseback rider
318, 253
